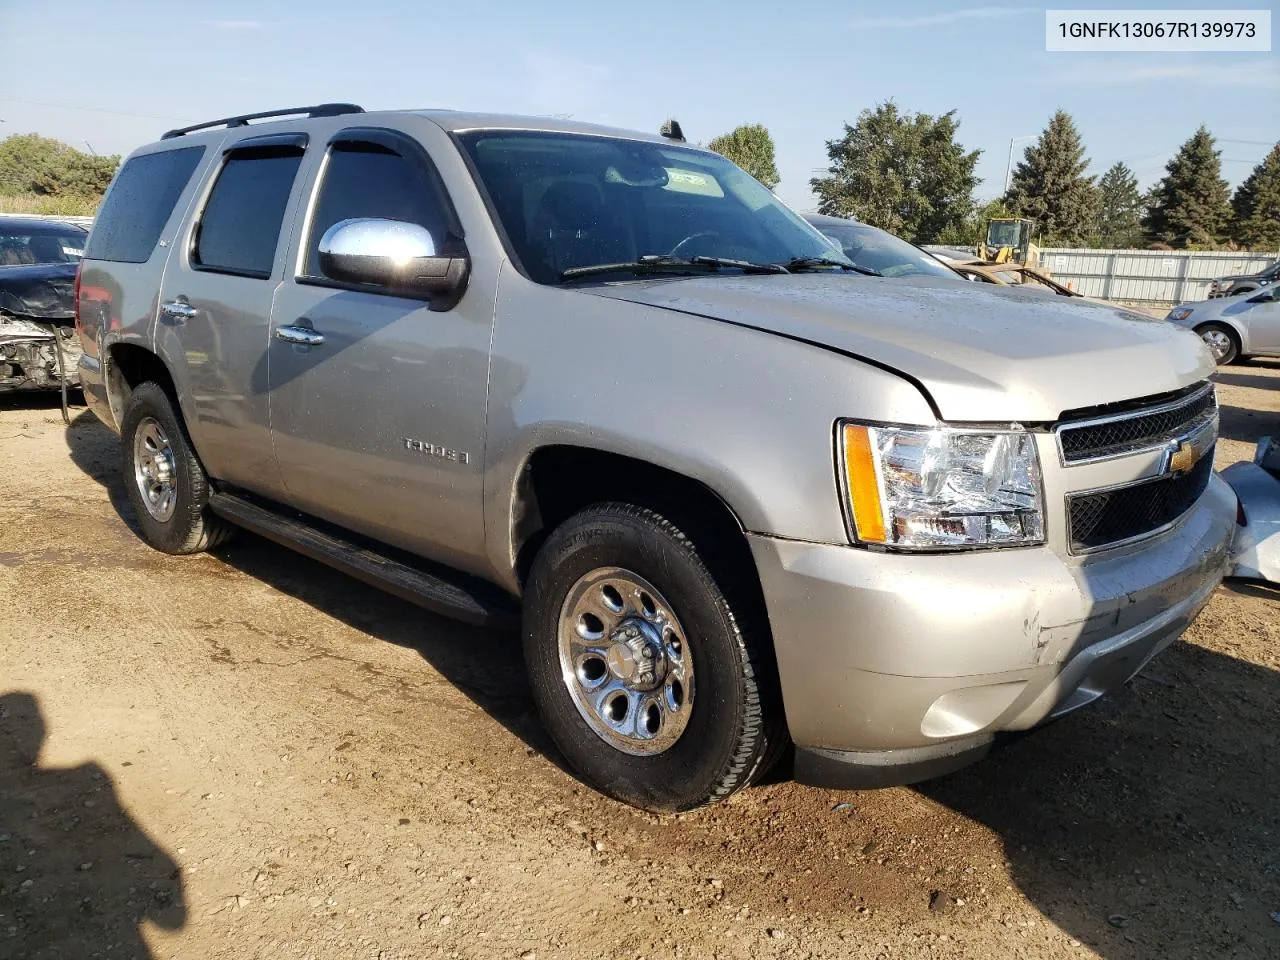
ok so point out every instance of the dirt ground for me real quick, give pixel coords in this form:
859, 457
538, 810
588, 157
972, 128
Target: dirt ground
247, 755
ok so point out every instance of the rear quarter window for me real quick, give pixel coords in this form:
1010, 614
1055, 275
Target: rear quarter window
139, 203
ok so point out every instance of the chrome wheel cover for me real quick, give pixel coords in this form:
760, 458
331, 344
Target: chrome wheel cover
153, 469
1218, 342
625, 661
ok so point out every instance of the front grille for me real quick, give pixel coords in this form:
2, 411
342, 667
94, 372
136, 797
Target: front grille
1135, 430
1112, 516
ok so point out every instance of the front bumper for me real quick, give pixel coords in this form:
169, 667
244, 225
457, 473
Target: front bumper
29, 354
897, 667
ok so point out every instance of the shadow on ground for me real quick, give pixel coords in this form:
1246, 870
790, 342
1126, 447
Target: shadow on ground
478, 662
1148, 826
1240, 423
1145, 826
1252, 380
42, 400
77, 875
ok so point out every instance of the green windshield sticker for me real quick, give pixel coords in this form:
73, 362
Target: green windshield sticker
687, 181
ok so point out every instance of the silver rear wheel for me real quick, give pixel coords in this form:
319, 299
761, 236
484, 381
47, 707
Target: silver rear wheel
625, 661
154, 470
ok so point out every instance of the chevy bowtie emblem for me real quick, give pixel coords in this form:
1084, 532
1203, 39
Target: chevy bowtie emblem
1183, 457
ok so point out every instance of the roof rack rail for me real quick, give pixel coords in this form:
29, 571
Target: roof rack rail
319, 110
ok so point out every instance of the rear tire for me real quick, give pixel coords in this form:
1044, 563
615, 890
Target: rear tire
1221, 341
165, 482
657, 744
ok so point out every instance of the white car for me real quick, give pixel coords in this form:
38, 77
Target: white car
1246, 325
1255, 551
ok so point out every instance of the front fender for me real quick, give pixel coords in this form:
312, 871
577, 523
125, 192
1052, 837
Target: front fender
1226, 319
748, 414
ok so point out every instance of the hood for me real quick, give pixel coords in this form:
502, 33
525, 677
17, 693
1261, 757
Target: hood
45, 291
1202, 310
982, 353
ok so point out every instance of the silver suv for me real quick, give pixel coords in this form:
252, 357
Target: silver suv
739, 494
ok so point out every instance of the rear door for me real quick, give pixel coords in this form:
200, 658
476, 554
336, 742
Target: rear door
379, 426
215, 307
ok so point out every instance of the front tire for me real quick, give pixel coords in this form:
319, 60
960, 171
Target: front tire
1221, 341
165, 482
656, 683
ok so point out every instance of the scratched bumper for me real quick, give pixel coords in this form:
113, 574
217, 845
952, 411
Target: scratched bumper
889, 652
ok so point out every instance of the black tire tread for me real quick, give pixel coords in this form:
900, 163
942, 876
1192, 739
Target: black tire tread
761, 737
194, 528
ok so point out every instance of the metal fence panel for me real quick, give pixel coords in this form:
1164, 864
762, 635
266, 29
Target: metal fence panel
1156, 276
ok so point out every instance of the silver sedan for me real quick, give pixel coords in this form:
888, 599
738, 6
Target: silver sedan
1245, 325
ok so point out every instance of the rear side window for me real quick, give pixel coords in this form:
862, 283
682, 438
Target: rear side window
241, 223
139, 203
369, 180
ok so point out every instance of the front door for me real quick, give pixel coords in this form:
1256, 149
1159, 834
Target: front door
378, 418
1264, 322
215, 310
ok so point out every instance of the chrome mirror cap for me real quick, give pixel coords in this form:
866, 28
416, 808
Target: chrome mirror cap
394, 240
402, 258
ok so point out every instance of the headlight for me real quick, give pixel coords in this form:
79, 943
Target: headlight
912, 488
1179, 313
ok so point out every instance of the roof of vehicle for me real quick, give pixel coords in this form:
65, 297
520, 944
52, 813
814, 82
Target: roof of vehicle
35, 225
453, 121
457, 121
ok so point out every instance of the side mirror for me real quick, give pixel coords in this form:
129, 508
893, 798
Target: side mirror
403, 257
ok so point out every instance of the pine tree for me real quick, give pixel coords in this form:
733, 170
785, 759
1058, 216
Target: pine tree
751, 148
1189, 207
1119, 221
1049, 185
1256, 206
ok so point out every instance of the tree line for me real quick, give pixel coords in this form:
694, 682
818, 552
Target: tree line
42, 175
907, 173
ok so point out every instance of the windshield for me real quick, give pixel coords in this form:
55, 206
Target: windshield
1005, 234
42, 244
872, 247
568, 201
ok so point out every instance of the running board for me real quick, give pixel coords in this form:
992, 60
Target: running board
441, 591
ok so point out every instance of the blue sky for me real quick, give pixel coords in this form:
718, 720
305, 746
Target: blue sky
802, 70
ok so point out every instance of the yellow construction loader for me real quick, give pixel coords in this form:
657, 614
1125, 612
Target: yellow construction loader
1009, 241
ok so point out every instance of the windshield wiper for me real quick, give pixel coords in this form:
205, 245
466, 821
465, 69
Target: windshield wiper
665, 263
746, 266
806, 263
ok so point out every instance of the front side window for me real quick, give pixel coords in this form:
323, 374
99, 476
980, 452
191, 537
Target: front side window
369, 180
240, 227
41, 244
569, 201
